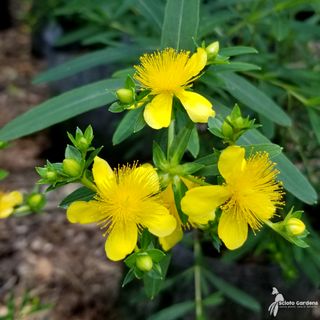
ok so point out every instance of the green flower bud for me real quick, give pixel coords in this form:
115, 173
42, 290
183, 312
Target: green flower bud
144, 263
226, 130
3, 144
239, 122
51, 175
36, 201
83, 143
125, 95
295, 226
71, 167
213, 49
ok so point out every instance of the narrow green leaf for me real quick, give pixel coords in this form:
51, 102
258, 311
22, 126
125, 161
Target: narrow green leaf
152, 10
159, 158
60, 108
83, 194
77, 35
314, 117
87, 61
180, 24
127, 125
253, 98
194, 143
233, 292
235, 66
173, 312
272, 149
236, 51
180, 144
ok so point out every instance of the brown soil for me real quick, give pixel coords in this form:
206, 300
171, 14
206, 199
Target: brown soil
62, 264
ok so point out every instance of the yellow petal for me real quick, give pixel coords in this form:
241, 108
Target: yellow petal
197, 62
84, 212
198, 107
232, 230
147, 175
8, 201
122, 240
103, 175
200, 203
231, 162
171, 240
157, 219
5, 212
157, 113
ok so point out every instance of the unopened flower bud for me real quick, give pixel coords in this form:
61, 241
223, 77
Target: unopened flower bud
295, 226
212, 49
239, 122
226, 130
36, 201
125, 95
51, 175
144, 263
83, 143
71, 167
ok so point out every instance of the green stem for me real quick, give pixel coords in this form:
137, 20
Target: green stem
170, 136
197, 278
88, 183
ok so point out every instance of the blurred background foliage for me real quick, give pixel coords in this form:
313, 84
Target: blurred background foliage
268, 64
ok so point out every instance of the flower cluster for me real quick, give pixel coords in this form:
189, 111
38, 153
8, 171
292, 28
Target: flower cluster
142, 208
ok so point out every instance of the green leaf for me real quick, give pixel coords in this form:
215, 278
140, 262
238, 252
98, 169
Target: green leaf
152, 10
83, 194
3, 174
236, 51
180, 144
179, 190
173, 312
233, 292
72, 153
60, 108
235, 66
272, 149
190, 167
127, 125
315, 122
180, 24
194, 143
89, 60
158, 156
156, 255
152, 286
128, 278
77, 35
253, 98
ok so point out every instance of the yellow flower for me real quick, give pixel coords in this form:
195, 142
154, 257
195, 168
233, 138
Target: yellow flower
8, 201
171, 240
127, 199
169, 73
249, 196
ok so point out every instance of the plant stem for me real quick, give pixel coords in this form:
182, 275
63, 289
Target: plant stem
89, 184
170, 136
197, 278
